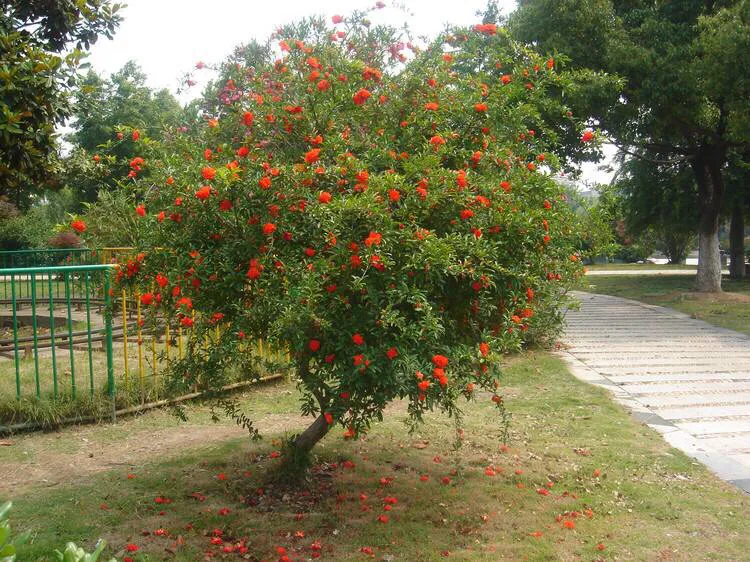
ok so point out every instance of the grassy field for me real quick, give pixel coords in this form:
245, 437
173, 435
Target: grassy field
579, 479
730, 309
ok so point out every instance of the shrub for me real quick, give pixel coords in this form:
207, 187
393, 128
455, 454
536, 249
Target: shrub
382, 216
65, 239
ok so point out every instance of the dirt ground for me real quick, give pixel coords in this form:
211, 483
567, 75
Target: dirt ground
43, 460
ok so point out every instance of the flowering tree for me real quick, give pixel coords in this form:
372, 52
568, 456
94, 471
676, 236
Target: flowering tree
380, 214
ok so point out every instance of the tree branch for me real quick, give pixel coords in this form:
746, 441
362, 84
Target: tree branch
645, 158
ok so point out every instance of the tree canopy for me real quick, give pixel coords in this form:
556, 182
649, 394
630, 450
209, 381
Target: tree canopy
684, 94
42, 43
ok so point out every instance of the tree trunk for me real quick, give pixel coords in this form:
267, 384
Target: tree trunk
737, 241
707, 168
306, 440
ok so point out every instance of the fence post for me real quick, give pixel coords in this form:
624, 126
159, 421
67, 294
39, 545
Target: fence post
108, 339
15, 335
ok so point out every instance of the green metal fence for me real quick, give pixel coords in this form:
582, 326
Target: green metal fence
47, 257
67, 334
49, 313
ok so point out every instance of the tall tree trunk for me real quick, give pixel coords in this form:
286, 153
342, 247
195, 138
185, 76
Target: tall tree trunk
737, 240
707, 168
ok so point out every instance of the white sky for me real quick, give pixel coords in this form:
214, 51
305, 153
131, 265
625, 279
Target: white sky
166, 38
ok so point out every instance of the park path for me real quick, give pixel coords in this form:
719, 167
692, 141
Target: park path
687, 379
644, 271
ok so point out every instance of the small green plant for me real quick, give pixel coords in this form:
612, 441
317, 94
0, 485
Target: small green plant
8, 546
72, 553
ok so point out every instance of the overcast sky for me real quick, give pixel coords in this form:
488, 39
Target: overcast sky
166, 38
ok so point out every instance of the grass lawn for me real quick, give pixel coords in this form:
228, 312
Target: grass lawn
730, 309
580, 479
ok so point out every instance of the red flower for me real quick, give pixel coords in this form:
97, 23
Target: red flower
161, 280
78, 225
440, 361
323, 85
484, 349
587, 136
147, 299
136, 134
248, 118
269, 228
329, 418
383, 518
358, 339
140, 210
225, 205
312, 156
480, 107
437, 141
324, 197
208, 173
431, 106
370, 73
361, 96
486, 28
243, 151
392, 353
264, 182
254, 270
131, 547
373, 238
394, 195
203, 193
337, 19
466, 214
310, 252
313, 345
423, 385
506, 79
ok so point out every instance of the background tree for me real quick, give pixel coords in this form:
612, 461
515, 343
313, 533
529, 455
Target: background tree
105, 107
41, 45
684, 97
660, 197
379, 214
738, 199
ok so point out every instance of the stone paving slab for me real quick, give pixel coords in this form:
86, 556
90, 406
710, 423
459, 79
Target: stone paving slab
686, 379
682, 388
685, 400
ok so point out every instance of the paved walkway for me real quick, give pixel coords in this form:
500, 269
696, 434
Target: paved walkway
645, 271
686, 379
